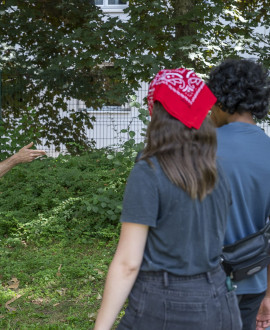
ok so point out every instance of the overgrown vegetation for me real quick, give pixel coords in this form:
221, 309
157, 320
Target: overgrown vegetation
67, 197
64, 59
59, 225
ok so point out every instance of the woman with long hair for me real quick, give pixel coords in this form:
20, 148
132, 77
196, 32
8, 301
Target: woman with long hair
173, 220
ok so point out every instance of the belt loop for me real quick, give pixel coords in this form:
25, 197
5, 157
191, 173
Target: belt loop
209, 278
166, 279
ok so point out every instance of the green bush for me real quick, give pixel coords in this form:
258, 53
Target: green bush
68, 197
63, 198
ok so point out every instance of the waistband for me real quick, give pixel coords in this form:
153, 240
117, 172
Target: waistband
167, 277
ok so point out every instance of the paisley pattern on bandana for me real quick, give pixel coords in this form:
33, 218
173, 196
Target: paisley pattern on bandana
183, 82
182, 94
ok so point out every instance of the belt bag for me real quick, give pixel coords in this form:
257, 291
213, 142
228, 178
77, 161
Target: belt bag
247, 256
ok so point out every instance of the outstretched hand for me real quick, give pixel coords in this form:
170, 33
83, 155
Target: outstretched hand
26, 155
263, 316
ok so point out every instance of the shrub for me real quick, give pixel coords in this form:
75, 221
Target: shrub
66, 197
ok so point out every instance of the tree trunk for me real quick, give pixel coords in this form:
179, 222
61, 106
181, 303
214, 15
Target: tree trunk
181, 8
183, 29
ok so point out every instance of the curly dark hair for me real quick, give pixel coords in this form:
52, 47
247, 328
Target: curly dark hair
241, 86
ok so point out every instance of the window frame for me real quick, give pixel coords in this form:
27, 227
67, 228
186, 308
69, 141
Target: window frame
107, 6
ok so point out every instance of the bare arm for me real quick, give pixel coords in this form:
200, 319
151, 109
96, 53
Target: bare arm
24, 155
263, 316
122, 273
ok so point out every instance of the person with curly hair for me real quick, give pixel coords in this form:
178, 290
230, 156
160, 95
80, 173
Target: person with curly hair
174, 215
242, 88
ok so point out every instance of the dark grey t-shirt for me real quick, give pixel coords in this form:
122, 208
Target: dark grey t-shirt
185, 235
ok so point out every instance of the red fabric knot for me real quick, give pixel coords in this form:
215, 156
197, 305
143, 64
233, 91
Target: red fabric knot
183, 94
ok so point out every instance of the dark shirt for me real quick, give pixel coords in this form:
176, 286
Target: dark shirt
244, 153
185, 235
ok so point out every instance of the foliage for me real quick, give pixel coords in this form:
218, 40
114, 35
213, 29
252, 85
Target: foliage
69, 197
124, 158
48, 209
194, 34
63, 198
12, 140
76, 219
64, 58
59, 228
61, 61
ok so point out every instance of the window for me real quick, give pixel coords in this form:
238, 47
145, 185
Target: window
110, 2
117, 2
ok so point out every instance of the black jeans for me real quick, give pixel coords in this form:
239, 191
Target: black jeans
161, 301
249, 305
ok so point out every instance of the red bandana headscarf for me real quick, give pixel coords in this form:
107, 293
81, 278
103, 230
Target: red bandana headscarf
183, 95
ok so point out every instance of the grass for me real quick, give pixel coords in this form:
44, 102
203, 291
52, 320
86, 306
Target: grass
52, 287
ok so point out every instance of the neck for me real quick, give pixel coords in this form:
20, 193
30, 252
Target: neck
244, 117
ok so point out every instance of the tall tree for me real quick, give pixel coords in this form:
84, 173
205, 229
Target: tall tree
55, 50
50, 52
194, 34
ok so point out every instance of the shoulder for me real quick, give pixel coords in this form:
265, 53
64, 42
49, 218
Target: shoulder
239, 134
150, 166
144, 170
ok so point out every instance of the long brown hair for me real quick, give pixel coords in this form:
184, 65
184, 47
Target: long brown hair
186, 155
